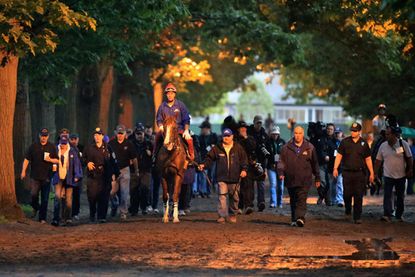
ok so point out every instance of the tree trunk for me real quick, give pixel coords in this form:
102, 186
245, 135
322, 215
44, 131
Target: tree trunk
8, 83
106, 83
22, 138
126, 114
158, 99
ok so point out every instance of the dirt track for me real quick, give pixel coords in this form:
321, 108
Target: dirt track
261, 243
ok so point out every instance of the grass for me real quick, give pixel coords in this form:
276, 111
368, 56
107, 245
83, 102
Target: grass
3, 219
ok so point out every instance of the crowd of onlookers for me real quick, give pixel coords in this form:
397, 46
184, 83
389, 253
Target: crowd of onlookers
120, 176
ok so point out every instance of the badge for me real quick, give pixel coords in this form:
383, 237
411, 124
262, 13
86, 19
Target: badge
125, 147
71, 156
208, 148
113, 156
305, 153
176, 111
363, 143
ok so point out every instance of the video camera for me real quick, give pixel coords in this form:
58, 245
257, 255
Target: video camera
316, 129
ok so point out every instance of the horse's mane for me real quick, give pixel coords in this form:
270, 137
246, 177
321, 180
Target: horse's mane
171, 121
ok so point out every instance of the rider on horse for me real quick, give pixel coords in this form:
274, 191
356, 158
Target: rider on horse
174, 107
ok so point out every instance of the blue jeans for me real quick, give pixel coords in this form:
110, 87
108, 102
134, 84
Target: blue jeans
337, 192
201, 182
399, 185
42, 186
276, 188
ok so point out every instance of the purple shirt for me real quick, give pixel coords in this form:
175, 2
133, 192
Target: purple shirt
178, 109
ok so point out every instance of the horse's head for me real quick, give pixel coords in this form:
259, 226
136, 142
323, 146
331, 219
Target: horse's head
170, 133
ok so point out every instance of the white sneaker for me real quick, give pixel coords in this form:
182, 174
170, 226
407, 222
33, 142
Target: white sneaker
123, 217
76, 217
149, 209
156, 211
182, 213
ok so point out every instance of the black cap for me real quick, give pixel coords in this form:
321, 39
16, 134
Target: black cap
356, 127
73, 136
205, 124
139, 127
242, 124
98, 131
44, 132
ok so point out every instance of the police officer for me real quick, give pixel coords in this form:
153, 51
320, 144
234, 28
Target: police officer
101, 170
354, 153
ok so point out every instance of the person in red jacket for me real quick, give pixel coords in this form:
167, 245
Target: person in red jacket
298, 163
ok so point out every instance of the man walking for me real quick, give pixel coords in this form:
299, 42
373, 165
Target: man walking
397, 166
231, 166
354, 152
298, 163
126, 155
41, 156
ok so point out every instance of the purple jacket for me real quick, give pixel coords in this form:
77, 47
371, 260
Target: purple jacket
298, 164
178, 109
74, 171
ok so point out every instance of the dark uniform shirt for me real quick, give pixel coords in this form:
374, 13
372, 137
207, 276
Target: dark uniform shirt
144, 160
124, 152
353, 154
103, 159
40, 169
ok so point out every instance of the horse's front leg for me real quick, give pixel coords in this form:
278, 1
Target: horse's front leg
176, 194
165, 200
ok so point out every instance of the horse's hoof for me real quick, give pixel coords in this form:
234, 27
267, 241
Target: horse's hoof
176, 220
165, 220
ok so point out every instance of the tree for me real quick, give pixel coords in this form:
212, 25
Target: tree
26, 27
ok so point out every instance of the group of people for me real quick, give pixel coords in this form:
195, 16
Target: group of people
120, 171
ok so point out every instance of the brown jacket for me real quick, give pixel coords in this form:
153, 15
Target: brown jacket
298, 165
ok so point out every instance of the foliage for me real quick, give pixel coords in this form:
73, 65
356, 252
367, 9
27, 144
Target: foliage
30, 26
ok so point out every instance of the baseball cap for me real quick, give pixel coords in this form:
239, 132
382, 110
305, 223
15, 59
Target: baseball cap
205, 124
98, 131
242, 124
63, 140
355, 127
275, 130
338, 130
139, 127
121, 129
44, 132
227, 132
73, 136
258, 118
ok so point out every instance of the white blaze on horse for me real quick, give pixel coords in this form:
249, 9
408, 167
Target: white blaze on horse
171, 164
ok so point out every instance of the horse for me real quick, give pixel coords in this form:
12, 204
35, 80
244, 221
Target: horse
171, 164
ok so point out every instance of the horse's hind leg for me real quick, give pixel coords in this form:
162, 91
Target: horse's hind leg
177, 187
165, 200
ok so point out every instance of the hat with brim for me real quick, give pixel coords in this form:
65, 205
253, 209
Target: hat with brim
356, 127
44, 132
121, 129
227, 132
98, 131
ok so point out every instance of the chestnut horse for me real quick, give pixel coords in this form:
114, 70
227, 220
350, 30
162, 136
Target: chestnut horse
171, 164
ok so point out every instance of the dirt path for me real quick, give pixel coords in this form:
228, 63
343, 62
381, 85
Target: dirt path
261, 243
